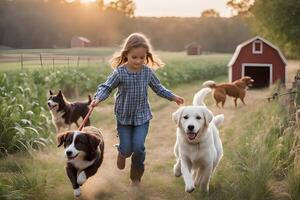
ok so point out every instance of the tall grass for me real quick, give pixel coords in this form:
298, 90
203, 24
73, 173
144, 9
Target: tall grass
24, 123
260, 166
33, 178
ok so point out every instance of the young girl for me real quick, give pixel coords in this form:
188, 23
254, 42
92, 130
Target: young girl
133, 73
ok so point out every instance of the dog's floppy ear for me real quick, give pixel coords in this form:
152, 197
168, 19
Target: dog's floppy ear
177, 114
208, 116
61, 137
50, 92
94, 141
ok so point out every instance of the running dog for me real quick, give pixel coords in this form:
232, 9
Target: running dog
65, 113
198, 148
237, 90
84, 151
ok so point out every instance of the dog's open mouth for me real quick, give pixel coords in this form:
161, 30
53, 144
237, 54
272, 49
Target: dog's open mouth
72, 157
51, 107
192, 135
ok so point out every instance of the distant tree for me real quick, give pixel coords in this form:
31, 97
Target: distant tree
210, 13
278, 20
126, 7
241, 7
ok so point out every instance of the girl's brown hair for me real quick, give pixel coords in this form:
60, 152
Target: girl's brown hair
136, 40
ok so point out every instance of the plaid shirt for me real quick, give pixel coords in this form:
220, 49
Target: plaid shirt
132, 106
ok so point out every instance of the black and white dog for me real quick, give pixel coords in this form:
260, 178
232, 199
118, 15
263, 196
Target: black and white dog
65, 113
84, 151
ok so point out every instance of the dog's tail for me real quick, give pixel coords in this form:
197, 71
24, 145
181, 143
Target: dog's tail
210, 84
198, 99
218, 120
90, 99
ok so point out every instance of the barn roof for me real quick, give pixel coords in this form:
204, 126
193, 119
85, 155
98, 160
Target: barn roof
82, 39
192, 44
240, 46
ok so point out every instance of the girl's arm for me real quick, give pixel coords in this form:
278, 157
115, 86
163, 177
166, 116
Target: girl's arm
160, 90
106, 88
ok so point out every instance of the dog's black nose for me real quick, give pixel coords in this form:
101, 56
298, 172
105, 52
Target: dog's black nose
69, 153
191, 127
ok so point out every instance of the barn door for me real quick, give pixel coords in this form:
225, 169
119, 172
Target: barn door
260, 75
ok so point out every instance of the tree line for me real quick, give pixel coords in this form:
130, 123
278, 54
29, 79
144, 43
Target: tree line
52, 23
276, 20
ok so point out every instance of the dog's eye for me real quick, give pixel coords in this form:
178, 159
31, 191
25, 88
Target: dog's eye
198, 117
185, 117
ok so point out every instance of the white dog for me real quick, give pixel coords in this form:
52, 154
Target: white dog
198, 147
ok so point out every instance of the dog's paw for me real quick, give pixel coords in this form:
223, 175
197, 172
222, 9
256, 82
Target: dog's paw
77, 192
176, 171
81, 178
190, 187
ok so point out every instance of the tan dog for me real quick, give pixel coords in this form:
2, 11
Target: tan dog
237, 90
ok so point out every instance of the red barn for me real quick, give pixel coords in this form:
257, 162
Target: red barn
259, 59
193, 49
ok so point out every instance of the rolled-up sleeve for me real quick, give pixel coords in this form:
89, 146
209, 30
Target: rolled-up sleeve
159, 89
106, 88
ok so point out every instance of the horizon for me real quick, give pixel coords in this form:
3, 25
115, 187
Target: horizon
178, 8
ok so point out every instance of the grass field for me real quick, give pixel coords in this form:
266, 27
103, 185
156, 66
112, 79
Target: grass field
257, 145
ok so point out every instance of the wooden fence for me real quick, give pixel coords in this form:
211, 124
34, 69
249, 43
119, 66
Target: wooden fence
51, 60
294, 107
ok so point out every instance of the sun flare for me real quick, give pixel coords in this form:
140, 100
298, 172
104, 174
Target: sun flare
87, 1
83, 1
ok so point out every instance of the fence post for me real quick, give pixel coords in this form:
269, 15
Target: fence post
78, 58
88, 61
22, 67
296, 86
53, 62
41, 59
292, 107
68, 61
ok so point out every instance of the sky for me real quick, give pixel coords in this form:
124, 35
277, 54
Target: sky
181, 8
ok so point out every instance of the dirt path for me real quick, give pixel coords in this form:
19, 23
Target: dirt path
111, 183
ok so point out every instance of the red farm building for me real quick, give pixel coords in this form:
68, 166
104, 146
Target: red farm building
193, 49
259, 59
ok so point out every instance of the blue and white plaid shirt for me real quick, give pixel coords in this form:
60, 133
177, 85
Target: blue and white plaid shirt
132, 106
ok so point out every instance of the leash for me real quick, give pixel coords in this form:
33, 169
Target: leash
86, 118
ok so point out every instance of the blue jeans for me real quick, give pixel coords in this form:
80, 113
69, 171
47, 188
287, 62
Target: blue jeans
132, 142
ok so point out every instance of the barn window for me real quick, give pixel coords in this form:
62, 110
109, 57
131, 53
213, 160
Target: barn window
257, 47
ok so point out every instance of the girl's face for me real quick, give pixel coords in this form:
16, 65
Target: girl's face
136, 58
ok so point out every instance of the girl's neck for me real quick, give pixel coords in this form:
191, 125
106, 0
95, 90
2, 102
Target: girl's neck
133, 69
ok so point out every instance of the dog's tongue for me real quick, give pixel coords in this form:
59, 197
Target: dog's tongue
191, 136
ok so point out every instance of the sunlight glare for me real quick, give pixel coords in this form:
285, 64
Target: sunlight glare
87, 1
83, 1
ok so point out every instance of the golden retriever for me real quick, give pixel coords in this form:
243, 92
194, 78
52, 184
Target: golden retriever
237, 90
198, 148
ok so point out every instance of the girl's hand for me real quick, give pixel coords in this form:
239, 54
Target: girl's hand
94, 103
179, 100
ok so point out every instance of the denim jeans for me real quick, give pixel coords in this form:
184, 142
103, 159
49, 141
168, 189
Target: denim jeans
132, 142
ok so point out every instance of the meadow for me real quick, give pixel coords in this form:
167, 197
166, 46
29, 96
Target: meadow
259, 139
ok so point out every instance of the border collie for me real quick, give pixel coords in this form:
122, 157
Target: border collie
65, 113
84, 151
